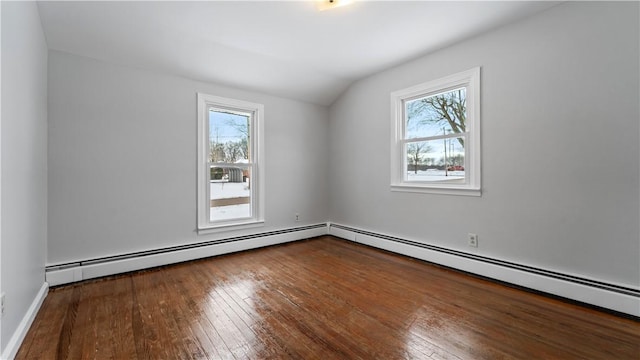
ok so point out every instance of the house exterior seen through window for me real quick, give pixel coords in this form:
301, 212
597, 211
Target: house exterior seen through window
229, 154
436, 136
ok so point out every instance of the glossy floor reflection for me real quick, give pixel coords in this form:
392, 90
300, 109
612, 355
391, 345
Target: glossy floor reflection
318, 299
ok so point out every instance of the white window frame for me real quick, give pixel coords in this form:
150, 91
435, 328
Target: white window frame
205, 103
470, 80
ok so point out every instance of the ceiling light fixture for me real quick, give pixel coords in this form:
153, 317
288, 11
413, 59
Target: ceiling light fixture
332, 4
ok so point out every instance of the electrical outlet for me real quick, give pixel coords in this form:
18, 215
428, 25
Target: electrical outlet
473, 240
2, 304
297, 217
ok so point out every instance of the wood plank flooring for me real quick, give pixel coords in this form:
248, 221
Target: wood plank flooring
322, 298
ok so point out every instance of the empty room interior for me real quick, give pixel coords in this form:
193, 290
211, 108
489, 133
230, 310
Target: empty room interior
320, 179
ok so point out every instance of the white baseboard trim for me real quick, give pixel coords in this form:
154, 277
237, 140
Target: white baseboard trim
13, 346
95, 268
619, 298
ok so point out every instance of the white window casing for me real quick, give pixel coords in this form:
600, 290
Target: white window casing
470, 185
255, 165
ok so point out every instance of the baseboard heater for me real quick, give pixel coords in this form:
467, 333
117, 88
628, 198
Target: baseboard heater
614, 297
619, 298
65, 273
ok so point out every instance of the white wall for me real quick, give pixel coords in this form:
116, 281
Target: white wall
24, 163
560, 152
122, 159
560, 155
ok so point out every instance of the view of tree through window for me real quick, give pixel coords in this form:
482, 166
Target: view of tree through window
435, 131
229, 164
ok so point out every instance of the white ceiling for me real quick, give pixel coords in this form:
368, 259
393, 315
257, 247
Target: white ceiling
285, 48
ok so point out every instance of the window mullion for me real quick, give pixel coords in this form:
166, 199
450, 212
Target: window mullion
431, 138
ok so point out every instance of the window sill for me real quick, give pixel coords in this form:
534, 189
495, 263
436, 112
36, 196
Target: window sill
211, 229
430, 189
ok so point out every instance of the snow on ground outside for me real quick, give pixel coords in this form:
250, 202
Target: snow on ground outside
435, 175
227, 190
230, 212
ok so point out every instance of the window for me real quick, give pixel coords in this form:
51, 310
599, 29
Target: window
230, 172
435, 145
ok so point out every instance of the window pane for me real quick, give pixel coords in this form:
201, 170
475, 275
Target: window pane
434, 115
229, 156
228, 137
439, 160
230, 192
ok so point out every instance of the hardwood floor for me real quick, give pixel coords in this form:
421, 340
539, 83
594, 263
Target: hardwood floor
322, 298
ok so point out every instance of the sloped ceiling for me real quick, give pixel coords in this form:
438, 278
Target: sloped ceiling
283, 48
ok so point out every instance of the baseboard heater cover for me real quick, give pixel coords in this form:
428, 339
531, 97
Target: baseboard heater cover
610, 296
65, 273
